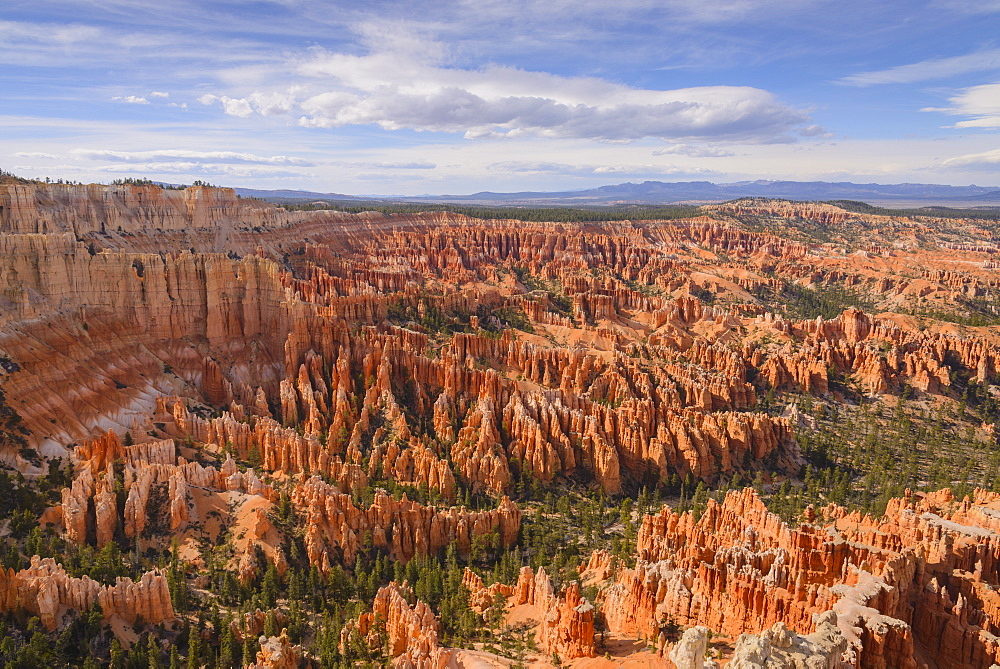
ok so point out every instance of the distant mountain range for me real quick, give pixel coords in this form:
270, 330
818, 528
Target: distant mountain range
659, 192
293, 195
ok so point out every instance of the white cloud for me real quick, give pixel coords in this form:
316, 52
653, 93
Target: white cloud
20, 33
731, 112
192, 157
167, 47
468, 167
159, 94
36, 154
987, 160
815, 130
694, 151
232, 106
407, 86
197, 168
270, 103
555, 14
980, 102
131, 99
621, 171
937, 68
414, 165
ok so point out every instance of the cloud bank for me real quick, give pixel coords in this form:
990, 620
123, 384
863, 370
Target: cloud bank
410, 86
987, 160
982, 103
193, 157
620, 171
938, 68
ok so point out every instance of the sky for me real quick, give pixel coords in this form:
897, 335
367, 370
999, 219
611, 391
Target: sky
417, 97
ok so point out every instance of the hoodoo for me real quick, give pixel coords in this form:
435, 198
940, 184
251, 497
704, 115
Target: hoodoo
762, 435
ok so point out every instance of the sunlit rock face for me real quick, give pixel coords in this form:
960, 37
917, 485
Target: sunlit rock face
916, 582
217, 365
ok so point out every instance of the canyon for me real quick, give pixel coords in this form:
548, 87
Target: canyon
239, 398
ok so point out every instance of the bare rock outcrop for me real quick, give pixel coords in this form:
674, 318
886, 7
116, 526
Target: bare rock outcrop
566, 625
481, 597
335, 527
411, 632
690, 650
781, 648
893, 587
278, 652
46, 590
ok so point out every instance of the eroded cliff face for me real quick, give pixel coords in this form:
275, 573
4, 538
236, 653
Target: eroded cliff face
915, 583
844, 591
47, 591
98, 338
566, 619
325, 371
563, 621
85, 209
89, 509
411, 632
663, 381
335, 527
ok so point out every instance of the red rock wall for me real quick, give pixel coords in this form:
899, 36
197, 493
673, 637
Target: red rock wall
412, 632
336, 528
912, 583
47, 591
566, 625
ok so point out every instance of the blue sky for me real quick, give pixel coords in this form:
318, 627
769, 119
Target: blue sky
416, 97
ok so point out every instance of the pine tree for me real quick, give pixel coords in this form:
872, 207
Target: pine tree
117, 655
152, 653
269, 587
226, 648
270, 624
253, 456
194, 648
176, 582
249, 650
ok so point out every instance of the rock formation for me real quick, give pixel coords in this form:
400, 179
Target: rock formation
277, 652
412, 632
481, 597
689, 652
780, 648
893, 586
303, 359
566, 620
89, 506
335, 527
47, 591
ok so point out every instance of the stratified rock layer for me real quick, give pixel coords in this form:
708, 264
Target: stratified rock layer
333, 350
918, 581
